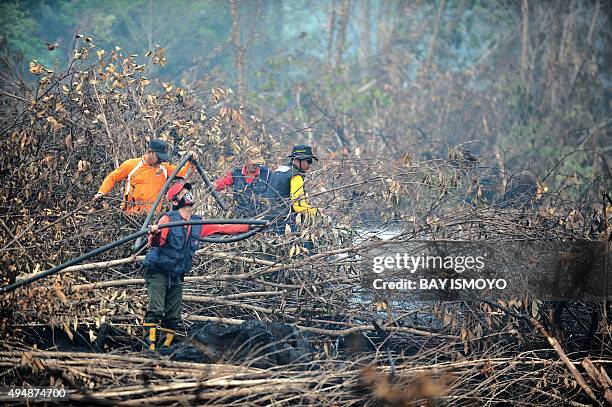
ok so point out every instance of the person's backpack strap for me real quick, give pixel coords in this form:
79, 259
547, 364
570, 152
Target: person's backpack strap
128, 181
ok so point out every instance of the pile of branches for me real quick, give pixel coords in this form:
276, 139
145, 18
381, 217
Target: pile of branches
531, 377
63, 135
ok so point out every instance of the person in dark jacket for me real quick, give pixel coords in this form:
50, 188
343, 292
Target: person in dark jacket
166, 263
286, 192
249, 184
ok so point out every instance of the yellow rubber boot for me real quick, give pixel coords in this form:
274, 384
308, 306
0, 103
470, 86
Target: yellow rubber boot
150, 334
168, 336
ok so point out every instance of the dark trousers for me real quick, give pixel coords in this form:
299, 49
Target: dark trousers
165, 295
279, 222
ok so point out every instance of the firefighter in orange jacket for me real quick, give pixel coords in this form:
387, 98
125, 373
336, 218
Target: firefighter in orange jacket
144, 178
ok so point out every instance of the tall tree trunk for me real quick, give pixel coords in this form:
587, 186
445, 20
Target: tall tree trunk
343, 18
332, 31
383, 29
593, 24
380, 28
525, 49
434, 35
553, 45
239, 58
365, 35
568, 51
525, 39
582, 57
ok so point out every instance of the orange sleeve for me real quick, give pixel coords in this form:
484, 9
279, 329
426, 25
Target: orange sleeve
184, 172
117, 175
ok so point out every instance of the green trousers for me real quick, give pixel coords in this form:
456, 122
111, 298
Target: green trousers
165, 295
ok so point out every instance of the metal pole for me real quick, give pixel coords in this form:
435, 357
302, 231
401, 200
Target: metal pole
209, 185
135, 235
139, 242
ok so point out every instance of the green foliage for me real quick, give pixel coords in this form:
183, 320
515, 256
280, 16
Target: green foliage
189, 37
18, 28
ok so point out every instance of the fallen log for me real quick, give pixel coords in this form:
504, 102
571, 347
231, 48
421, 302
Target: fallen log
194, 298
328, 332
87, 357
135, 259
133, 281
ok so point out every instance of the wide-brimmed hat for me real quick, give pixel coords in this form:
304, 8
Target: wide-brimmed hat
160, 147
253, 155
302, 152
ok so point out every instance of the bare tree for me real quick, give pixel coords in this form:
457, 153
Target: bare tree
365, 34
239, 49
332, 31
434, 35
525, 39
343, 19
